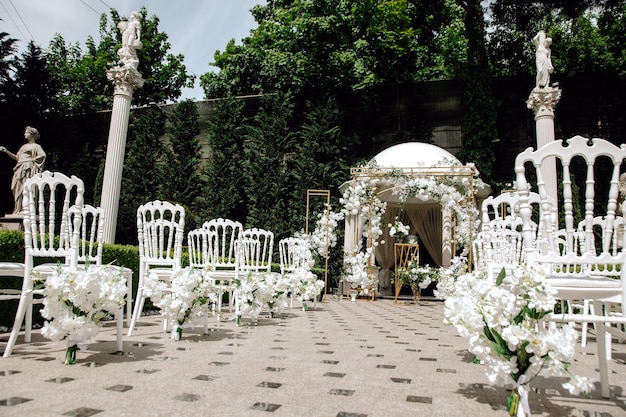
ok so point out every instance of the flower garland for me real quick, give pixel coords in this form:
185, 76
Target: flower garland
76, 302
184, 299
323, 236
501, 320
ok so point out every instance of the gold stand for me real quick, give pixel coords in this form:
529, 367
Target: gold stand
405, 253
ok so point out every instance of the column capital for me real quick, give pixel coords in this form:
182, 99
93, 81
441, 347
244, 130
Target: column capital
125, 79
543, 101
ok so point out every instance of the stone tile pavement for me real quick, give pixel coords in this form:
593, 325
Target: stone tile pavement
344, 359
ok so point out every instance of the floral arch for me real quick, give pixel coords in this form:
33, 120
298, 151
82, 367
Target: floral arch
425, 187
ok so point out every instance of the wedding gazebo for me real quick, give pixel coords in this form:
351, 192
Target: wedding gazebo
419, 184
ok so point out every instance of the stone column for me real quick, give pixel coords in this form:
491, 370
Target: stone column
543, 102
446, 236
126, 80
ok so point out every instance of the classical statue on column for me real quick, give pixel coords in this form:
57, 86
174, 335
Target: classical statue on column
131, 40
126, 79
30, 159
543, 58
543, 98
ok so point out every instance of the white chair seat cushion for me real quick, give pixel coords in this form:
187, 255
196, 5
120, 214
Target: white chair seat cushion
11, 269
585, 287
584, 282
221, 274
47, 268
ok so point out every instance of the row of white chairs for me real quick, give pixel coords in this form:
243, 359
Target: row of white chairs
221, 247
57, 225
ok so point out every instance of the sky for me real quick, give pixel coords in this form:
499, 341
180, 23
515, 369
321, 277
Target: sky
195, 28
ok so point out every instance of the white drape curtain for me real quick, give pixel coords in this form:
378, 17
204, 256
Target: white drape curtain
385, 256
426, 219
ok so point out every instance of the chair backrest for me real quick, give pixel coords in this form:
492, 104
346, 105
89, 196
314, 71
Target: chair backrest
597, 163
265, 248
91, 233
226, 234
200, 243
47, 198
160, 232
498, 248
250, 256
293, 253
587, 242
502, 212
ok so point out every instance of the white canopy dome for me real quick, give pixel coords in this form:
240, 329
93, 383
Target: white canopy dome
413, 154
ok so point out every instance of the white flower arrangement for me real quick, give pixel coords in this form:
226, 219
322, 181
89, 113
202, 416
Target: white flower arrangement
446, 282
272, 291
357, 270
307, 287
360, 199
257, 290
76, 302
247, 301
398, 230
184, 299
419, 277
324, 236
501, 320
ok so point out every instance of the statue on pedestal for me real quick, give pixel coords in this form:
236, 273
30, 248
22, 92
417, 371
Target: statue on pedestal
131, 35
543, 57
30, 160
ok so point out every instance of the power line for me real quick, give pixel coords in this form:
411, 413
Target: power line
94, 10
23, 22
107, 6
13, 20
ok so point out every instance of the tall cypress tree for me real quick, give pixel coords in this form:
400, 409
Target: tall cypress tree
479, 115
143, 170
184, 181
224, 192
268, 151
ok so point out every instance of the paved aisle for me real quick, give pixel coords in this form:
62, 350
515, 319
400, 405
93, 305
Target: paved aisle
344, 359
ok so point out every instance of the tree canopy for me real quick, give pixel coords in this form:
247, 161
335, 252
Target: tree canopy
330, 45
80, 76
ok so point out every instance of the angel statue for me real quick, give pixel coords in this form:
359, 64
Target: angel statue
131, 35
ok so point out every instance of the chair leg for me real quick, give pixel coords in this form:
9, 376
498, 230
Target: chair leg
205, 320
602, 356
587, 309
128, 274
17, 323
28, 319
220, 298
137, 311
119, 318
